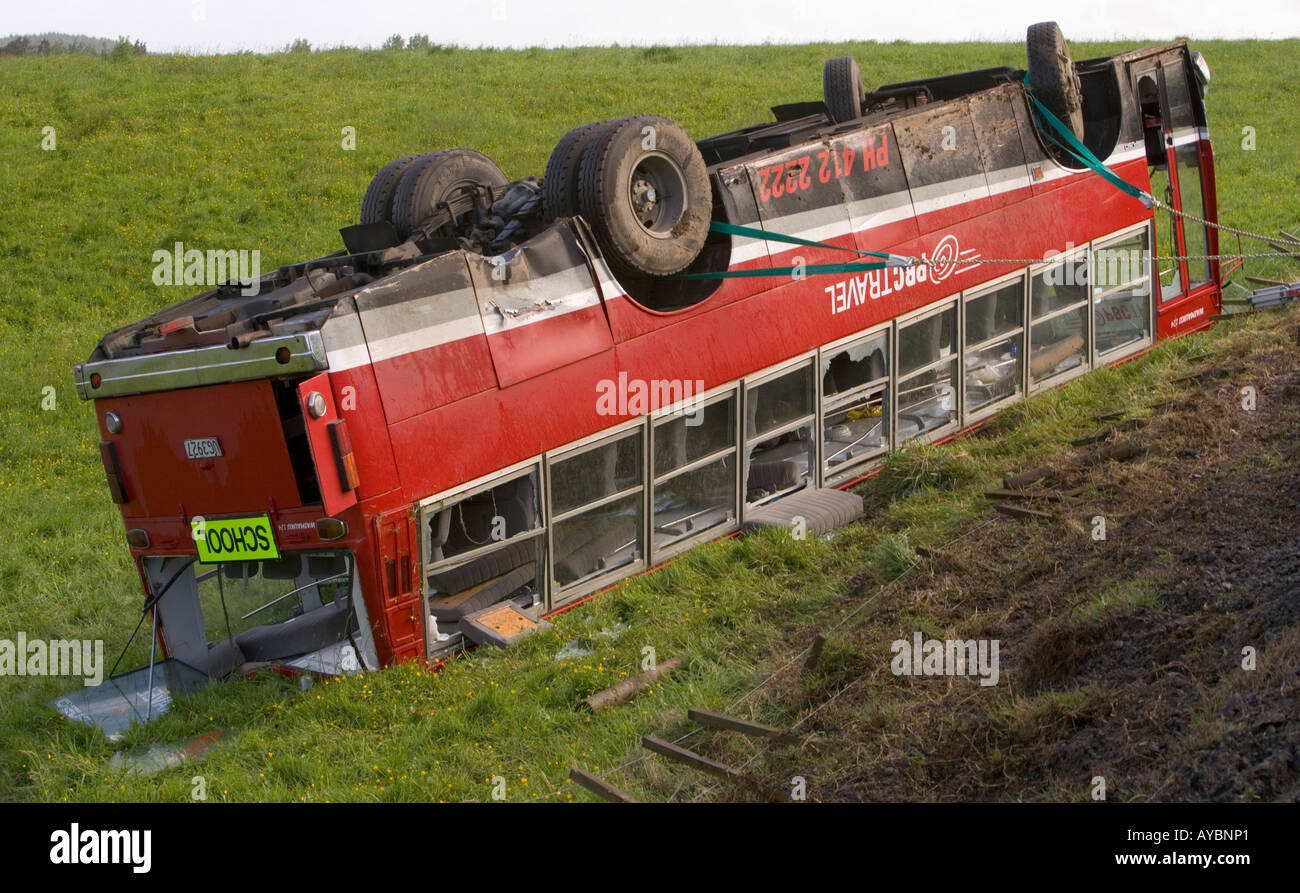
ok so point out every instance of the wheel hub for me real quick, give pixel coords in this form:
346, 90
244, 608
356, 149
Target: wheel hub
656, 191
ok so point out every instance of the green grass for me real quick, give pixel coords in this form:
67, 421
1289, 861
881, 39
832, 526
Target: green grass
1120, 596
244, 151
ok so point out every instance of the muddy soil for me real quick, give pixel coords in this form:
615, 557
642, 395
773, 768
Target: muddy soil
1126, 658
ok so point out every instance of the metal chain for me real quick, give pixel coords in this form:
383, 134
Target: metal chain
1022, 261
1229, 229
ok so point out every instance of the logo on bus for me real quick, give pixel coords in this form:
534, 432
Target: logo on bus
948, 259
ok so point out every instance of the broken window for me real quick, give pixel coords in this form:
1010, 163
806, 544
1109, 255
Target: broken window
855, 397
596, 505
779, 414
695, 472
927, 373
482, 548
216, 617
995, 344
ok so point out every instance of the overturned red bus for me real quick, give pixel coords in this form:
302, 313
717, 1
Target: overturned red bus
516, 393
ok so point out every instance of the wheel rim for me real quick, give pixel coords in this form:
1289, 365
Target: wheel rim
656, 192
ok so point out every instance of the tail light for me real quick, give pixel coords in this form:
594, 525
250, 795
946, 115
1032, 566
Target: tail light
113, 468
343, 457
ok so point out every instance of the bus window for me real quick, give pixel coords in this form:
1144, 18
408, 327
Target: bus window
995, 344
483, 548
1153, 127
1121, 287
1058, 334
596, 509
779, 415
694, 472
1187, 156
855, 396
927, 373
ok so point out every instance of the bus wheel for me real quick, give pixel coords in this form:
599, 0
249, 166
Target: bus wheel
644, 190
1053, 77
433, 179
377, 204
560, 182
842, 88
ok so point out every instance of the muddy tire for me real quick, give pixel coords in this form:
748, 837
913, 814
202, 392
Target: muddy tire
560, 182
842, 89
432, 179
1053, 77
644, 190
377, 204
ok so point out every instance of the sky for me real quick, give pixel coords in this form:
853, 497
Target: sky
261, 25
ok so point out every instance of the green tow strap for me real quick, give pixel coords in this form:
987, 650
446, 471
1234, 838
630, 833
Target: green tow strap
1070, 143
732, 229
792, 272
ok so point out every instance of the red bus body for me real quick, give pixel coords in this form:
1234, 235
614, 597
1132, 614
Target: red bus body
448, 380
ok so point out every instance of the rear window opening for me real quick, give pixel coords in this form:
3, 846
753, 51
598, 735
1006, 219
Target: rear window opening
223, 617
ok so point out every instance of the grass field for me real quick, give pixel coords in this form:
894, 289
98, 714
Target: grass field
246, 151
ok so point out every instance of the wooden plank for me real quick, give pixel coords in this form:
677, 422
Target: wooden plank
815, 654
1259, 280
598, 786
690, 758
712, 720
1017, 511
1051, 495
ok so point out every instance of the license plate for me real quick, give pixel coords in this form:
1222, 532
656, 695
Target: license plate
202, 448
234, 539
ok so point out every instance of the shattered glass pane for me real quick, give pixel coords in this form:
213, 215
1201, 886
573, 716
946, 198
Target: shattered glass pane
125, 698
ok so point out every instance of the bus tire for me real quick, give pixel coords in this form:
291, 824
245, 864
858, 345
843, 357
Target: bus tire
377, 203
644, 189
560, 182
431, 179
1052, 75
842, 89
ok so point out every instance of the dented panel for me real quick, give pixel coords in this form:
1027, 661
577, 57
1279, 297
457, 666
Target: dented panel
547, 279
425, 337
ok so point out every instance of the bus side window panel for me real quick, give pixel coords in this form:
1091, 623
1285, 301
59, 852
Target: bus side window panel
927, 373
597, 509
855, 396
1121, 283
498, 529
1058, 334
994, 345
694, 472
780, 450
